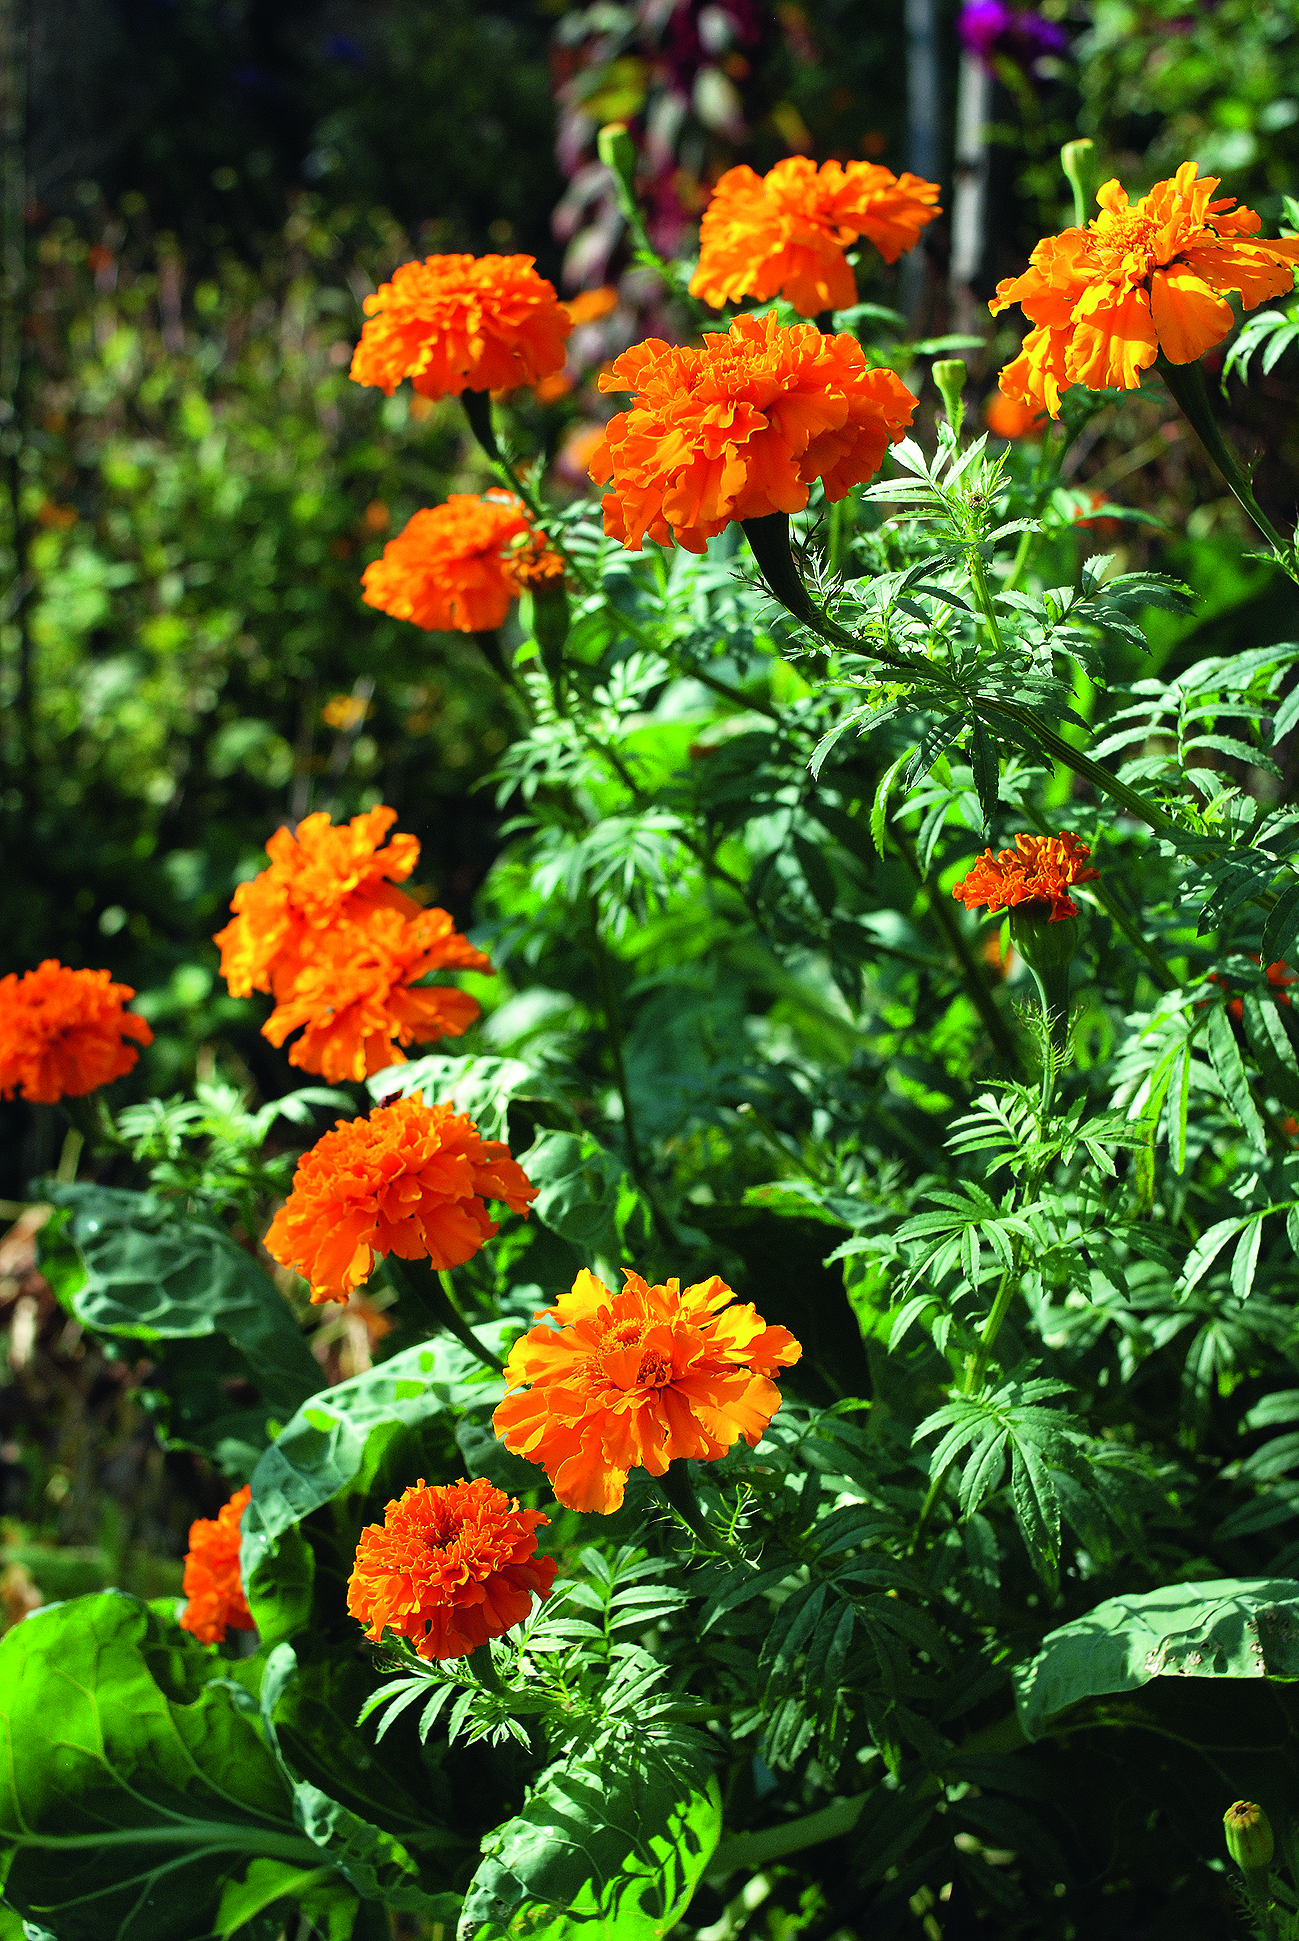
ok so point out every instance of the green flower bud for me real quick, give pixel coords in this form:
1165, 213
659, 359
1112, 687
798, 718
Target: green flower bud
617, 151
1249, 1837
949, 376
1076, 161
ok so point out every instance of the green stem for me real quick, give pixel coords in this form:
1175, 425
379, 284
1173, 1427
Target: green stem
1186, 383
89, 1115
958, 944
677, 1491
613, 1032
429, 1296
1024, 551
482, 1666
976, 1366
1118, 915
1064, 752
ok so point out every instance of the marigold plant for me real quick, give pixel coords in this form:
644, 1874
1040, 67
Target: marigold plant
214, 1592
739, 428
1039, 869
448, 1568
785, 233
1139, 280
410, 1179
462, 323
63, 1032
448, 568
635, 1379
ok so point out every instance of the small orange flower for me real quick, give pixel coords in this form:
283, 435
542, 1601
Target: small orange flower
462, 323
408, 1180
211, 1582
739, 428
635, 1379
449, 1567
588, 306
1009, 418
785, 233
61, 1032
1278, 976
344, 712
355, 996
533, 566
446, 569
1105, 300
1039, 869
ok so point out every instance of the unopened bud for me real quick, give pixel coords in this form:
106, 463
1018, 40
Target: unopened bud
617, 150
949, 376
1249, 1837
1076, 161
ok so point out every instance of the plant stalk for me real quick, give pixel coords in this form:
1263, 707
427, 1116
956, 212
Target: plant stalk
1186, 384
677, 1491
431, 1293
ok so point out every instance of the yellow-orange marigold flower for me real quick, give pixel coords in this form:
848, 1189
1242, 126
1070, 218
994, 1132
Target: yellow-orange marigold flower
635, 1379
785, 233
462, 323
739, 428
410, 1179
356, 1000
449, 1567
318, 875
212, 1585
62, 1032
1011, 417
1039, 869
1105, 300
446, 568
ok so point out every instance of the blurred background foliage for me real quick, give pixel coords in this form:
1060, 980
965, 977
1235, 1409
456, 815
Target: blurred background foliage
198, 194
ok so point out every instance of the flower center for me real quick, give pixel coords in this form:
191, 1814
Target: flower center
655, 1371
442, 1532
1125, 238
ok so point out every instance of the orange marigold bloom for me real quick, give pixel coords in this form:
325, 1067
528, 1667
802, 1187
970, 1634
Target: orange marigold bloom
355, 996
1105, 300
212, 1585
635, 1379
739, 428
1011, 418
318, 875
62, 1032
588, 306
785, 233
1039, 869
445, 569
408, 1180
462, 323
449, 1567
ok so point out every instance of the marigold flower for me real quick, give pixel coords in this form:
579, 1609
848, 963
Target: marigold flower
785, 233
1278, 976
635, 1379
449, 1567
62, 1032
212, 1585
1011, 418
588, 306
532, 565
1039, 869
410, 1179
318, 875
739, 428
1106, 300
355, 996
462, 323
446, 568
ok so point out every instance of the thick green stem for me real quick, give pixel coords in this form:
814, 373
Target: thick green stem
613, 1033
478, 410
89, 1115
957, 942
428, 1295
678, 1493
1186, 383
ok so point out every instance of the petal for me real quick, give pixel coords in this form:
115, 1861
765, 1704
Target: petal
1189, 317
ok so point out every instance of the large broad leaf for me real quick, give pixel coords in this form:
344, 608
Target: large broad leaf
1230, 1628
610, 1847
366, 1438
360, 1798
135, 1794
204, 1305
585, 1196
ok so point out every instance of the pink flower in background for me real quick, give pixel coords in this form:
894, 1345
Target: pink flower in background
990, 28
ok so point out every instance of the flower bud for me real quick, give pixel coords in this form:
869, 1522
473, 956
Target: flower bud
617, 151
1249, 1837
949, 376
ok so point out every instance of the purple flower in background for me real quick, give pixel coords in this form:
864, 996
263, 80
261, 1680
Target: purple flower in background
988, 28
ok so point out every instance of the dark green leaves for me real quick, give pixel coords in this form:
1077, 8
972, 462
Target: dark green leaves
610, 1846
135, 1795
